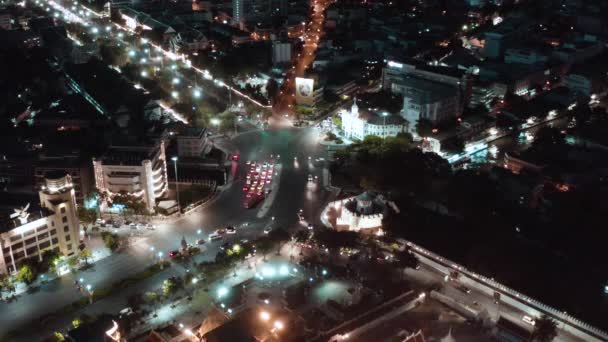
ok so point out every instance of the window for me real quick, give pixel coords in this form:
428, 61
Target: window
15, 238
64, 219
32, 250
45, 244
68, 238
52, 223
17, 245
63, 210
42, 228
69, 246
53, 231
66, 229
55, 241
30, 241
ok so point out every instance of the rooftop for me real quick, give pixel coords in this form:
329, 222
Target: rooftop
423, 91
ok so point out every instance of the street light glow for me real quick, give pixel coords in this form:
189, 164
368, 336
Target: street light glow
264, 316
222, 291
279, 325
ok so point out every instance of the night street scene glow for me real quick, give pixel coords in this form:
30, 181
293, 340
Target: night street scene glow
303, 170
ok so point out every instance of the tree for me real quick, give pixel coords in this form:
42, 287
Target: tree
58, 337
424, 127
169, 286
130, 202
279, 236
50, 258
406, 259
112, 54
545, 329
84, 255
264, 245
301, 236
548, 138
87, 216
337, 121
27, 274
110, 240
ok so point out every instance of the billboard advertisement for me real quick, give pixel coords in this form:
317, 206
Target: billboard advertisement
305, 90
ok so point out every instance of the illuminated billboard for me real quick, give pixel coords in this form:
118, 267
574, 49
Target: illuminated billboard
305, 90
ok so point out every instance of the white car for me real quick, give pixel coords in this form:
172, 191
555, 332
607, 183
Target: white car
266, 230
310, 178
230, 230
528, 320
214, 236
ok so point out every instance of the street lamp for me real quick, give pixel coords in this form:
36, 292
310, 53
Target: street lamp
174, 158
90, 290
160, 259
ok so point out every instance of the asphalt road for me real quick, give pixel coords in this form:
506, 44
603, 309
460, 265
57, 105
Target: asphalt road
294, 192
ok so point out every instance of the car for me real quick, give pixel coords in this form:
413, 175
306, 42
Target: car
221, 231
125, 312
150, 226
235, 157
249, 194
174, 253
528, 320
225, 246
310, 178
266, 230
230, 230
248, 162
300, 217
200, 241
311, 226
463, 289
214, 236
245, 188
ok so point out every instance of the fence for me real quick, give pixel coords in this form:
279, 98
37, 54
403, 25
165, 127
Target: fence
570, 323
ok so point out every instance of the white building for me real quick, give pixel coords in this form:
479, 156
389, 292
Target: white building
281, 53
357, 124
362, 213
139, 170
32, 229
193, 142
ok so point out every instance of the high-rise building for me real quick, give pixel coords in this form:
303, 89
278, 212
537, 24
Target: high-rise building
281, 53
29, 229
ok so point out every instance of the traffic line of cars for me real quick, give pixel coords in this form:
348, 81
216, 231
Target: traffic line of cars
257, 183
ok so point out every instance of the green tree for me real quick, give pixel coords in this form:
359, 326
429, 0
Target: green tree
545, 329
150, 297
50, 258
264, 245
86, 216
84, 255
110, 240
58, 337
169, 287
27, 274
112, 54
337, 121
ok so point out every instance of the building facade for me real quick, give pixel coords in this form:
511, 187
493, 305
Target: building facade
358, 124
193, 142
53, 225
141, 171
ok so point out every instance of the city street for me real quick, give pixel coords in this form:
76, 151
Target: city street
293, 193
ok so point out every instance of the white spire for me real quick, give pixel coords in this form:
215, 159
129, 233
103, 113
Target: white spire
354, 109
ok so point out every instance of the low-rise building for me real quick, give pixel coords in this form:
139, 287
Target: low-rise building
362, 213
140, 170
428, 100
357, 124
193, 142
29, 229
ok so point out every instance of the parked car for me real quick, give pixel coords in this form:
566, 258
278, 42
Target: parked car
214, 236
230, 230
200, 241
174, 253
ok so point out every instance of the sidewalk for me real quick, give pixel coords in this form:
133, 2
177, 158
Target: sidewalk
98, 252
